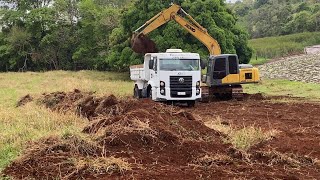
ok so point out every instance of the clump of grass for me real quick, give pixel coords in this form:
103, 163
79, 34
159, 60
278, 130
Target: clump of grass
292, 160
249, 136
101, 165
241, 139
217, 159
218, 125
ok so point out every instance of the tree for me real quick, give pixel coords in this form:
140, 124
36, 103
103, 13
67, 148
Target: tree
95, 34
264, 18
95, 27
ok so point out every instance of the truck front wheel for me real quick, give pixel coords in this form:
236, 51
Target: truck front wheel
137, 92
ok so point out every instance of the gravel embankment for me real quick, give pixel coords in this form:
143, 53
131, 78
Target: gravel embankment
305, 68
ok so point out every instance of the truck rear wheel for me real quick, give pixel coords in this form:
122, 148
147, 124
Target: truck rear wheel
137, 92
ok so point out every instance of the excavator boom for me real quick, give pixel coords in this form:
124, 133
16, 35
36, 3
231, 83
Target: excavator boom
141, 44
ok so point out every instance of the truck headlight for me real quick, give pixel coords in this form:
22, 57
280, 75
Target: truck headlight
198, 88
162, 88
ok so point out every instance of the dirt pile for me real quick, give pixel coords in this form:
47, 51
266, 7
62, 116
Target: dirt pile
143, 139
24, 100
148, 135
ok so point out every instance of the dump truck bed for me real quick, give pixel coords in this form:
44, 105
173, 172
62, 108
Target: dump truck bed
137, 72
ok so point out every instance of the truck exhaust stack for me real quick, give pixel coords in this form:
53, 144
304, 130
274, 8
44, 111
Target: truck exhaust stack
142, 45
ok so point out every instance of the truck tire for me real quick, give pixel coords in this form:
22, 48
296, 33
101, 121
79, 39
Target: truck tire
137, 92
191, 103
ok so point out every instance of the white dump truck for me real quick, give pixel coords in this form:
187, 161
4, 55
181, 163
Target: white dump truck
173, 76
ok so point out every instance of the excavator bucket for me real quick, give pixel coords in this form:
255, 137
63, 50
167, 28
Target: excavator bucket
141, 44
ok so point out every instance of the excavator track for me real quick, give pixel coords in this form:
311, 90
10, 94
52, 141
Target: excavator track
237, 93
222, 93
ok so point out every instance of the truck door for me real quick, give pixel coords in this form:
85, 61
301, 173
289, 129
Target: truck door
154, 70
153, 65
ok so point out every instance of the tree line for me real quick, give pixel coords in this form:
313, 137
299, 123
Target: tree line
262, 18
42, 35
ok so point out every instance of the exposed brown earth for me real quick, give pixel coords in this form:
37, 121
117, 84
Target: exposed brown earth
143, 139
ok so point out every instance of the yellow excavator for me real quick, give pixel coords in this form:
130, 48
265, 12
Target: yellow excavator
224, 74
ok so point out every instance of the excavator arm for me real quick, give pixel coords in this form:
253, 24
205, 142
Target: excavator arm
141, 44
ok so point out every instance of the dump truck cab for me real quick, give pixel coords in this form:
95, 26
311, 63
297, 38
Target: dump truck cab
172, 76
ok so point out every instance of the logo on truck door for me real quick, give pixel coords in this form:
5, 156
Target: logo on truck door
181, 80
190, 27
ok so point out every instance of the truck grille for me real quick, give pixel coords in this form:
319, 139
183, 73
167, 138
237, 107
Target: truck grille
178, 86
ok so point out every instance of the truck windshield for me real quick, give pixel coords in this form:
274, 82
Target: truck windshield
179, 64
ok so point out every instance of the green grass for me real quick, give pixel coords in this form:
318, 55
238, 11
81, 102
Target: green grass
258, 61
285, 88
279, 46
31, 122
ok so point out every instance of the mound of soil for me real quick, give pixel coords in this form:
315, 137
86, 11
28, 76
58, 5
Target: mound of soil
150, 135
158, 141
24, 100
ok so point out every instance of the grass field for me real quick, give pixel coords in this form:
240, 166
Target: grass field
31, 122
273, 47
258, 61
309, 91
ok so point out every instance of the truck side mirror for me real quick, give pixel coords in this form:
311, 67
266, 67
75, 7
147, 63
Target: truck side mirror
151, 63
203, 64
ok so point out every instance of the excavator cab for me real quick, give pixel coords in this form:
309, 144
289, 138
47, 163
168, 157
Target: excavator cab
221, 67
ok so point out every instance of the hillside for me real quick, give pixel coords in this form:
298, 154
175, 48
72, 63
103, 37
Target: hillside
280, 46
263, 18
